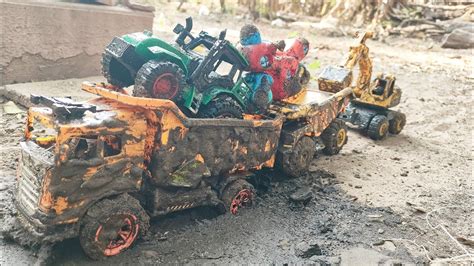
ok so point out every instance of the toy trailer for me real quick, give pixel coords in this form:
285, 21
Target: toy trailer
100, 170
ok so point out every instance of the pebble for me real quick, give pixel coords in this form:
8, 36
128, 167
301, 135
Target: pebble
381, 231
3, 187
302, 195
150, 253
307, 250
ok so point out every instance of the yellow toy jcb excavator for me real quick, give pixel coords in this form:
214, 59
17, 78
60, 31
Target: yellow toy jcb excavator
369, 109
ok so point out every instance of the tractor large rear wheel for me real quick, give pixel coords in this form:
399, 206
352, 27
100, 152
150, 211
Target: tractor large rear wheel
115, 73
161, 80
112, 225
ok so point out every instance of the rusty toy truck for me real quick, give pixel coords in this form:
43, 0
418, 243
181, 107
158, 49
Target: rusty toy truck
99, 170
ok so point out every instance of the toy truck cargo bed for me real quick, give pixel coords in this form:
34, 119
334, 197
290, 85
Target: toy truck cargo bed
317, 108
189, 148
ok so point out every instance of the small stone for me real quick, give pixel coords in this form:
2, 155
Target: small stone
381, 231
356, 151
302, 195
284, 244
307, 250
388, 245
313, 168
3, 187
150, 253
358, 186
404, 173
357, 175
325, 260
11, 108
279, 23
396, 159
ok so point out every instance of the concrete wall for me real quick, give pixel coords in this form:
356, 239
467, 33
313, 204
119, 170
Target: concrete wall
47, 41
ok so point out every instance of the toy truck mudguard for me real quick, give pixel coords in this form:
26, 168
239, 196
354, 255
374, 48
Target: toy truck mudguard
129, 145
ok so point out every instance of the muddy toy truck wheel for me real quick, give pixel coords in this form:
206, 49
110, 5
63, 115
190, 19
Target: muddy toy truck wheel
161, 80
334, 137
378, 127
112, 225
296, 162
222, 107
397, 123
238, 194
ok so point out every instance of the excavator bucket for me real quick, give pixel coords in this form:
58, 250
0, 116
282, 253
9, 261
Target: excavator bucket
334, 79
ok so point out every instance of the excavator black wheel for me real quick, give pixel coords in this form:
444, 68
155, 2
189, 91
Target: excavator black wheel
397, 123
378, 127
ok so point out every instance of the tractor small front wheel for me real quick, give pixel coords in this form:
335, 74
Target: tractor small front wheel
378, 127
296, 162
238, 194
334, 137
161, 80
397, 123
112, 226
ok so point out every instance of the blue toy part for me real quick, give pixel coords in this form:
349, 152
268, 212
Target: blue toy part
255, 82
264, 61
255, 38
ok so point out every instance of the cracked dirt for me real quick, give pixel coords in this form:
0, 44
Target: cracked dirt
395, 201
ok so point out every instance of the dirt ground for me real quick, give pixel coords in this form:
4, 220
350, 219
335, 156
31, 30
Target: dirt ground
406, 199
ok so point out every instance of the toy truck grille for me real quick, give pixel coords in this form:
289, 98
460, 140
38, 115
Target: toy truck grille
31, 169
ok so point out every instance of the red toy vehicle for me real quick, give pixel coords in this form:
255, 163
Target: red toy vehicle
287, 76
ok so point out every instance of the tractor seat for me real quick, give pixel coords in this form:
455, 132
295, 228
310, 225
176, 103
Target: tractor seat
223, 81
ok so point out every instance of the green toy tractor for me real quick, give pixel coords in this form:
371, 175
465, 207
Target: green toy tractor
202, 74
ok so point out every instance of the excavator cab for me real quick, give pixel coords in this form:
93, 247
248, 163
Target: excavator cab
382, 92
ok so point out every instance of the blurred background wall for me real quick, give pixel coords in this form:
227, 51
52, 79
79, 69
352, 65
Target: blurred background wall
47, 40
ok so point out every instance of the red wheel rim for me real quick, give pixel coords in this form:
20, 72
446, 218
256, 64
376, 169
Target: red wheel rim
165, 86
124, 236
243, 198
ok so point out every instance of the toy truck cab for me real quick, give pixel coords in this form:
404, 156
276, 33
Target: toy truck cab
71, 159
